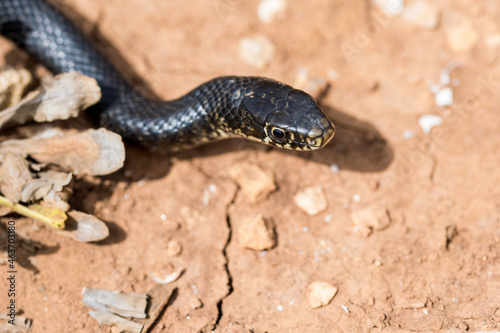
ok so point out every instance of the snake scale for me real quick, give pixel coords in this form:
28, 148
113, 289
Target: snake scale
256, 108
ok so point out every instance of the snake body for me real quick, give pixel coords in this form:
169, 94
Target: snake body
256, 108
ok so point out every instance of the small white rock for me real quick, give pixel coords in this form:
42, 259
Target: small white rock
312, 200
206, 197
257, 51
255, 182
421, 13
269, 9
87, 228
195, 303
314, 86
174, 248
444, 97
320, 293
408, 134
332, 74
334, 168
445, 76
461, 34
165, 276
370, 218
393, 7
429, 121
492, 40
257, 234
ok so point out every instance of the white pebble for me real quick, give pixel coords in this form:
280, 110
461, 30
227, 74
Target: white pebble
345, 308
421, 13
269, 9
168, 278
461, 34
393, 7
320, 293
174, 248
332, 74
257, 234
301, 78
370, 218
311, 200
255, 182
444, 97
434, 88
163, 217
408, 134
279, 308
305, 229
262, 254
206, 197
492, 40
356, 198
257, 51
212, 188
445, 77
328, 218
334, 168
429, 121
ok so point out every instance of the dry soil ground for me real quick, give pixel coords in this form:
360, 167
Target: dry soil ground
434, 268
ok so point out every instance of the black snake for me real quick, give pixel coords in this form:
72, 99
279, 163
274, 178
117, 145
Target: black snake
256, 108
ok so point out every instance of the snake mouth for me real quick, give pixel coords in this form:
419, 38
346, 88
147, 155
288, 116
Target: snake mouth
320, 142
319, 136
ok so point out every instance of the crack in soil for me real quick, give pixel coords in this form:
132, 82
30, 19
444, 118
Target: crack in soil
230, 288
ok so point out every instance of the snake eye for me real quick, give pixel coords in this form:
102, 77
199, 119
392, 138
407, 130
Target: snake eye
278, 134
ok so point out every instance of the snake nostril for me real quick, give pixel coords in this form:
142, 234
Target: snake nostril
325, 122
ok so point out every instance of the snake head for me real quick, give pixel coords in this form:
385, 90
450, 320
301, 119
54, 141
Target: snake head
287, 118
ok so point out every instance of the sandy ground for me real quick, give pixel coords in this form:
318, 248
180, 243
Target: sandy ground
434, 268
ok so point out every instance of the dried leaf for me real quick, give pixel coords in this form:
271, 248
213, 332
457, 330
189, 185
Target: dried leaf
13, 84
14, 174
60, 98
124, 325
114, 301
85, 227
94, 152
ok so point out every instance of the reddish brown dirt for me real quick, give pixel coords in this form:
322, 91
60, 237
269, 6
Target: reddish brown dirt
406, 277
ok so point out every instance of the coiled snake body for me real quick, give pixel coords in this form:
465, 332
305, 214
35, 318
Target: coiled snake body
257, 108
